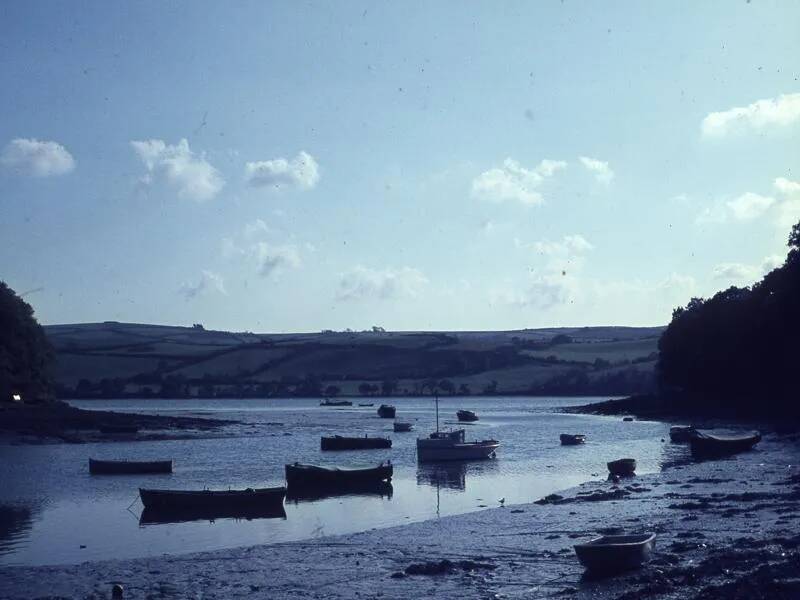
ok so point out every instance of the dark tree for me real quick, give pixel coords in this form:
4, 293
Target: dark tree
25, 353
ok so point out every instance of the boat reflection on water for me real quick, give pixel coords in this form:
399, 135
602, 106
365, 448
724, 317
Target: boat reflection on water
452, 475
156, 516
380, 489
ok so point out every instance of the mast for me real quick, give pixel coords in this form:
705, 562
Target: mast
437, 412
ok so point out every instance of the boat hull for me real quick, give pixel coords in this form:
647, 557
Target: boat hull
572, 440
299, 476
386, 411
679, 434
705, 445
177, 500
126, 467
466, 416
353, 443
469, 451
402, 427
611, 554
623, 466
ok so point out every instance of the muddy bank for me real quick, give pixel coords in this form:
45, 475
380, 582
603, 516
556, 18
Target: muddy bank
726, 529
59, 422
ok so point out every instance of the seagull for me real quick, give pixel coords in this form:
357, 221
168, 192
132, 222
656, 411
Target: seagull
502, 500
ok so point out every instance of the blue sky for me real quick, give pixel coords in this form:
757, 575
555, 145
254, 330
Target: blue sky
301, 166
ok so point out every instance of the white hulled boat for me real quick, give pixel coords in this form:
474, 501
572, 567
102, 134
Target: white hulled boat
451, 445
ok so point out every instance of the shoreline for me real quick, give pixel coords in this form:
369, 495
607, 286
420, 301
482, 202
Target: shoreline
719, 523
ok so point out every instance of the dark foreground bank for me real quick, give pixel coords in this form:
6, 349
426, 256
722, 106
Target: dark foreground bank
726, 529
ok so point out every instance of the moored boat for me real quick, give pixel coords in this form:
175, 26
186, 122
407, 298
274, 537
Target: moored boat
366, 404
706, 444
466, 416
627, 419
175, 500
623, 466
313, 476
572, 439
400, 426
614, 553
329, 402
681, 433
386, 411
452, 445
338, 442
128, 467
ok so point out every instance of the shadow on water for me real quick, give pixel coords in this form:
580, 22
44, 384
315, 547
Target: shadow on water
381, 489
452, 475
152, 516
15, 524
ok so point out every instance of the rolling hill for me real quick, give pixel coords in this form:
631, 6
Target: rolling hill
112, 359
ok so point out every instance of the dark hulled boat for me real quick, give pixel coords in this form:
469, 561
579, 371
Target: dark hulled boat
128, 467
328, 402
708, 445
313, 476
466, 416
615, 553
222, 500
623, 466
572, 439
338, 442
681, 433
386, 411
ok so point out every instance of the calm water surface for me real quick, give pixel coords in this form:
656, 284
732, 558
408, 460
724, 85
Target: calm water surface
52, 511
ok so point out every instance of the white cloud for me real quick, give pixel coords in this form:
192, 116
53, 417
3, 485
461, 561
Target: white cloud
514, 182
599, 169
256, 228
208, 282
37, 158
758, 116
302, 172
735, 272
570, 244
749, 206
771, 262
384, 284
193, 176
787, 211
272, 259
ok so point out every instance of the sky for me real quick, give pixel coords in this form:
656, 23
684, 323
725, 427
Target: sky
298, 166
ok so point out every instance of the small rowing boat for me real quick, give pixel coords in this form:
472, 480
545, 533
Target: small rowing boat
466, 416
313, 476
386, 411
400, 427
572, 439
710, 444
176, 500
338, 442
614, 553
328, 402
128, 467
623, 466
681, 433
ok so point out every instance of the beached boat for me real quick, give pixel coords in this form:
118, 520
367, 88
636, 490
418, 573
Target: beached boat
627, 419
112, 429
572, 439
466, 416
614, 553
328, 402
400, 426
382, 489
386, 411
706, 444
128, 467
175, 500
157, 516
681, 433
623, 466
313, 476
338, 442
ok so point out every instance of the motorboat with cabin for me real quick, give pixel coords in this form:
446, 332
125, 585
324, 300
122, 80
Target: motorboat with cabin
452, 445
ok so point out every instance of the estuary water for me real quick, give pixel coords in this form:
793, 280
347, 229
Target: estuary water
53, 512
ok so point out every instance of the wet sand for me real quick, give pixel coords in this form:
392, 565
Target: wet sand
726, 529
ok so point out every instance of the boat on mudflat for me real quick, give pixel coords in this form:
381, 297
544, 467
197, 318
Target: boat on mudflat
128, 467
705, 444
572, 439
176, 500
328, 402
386, 411
338, 442
681, 433
400, 426
615, 553
623, 466
466, 416
314, 476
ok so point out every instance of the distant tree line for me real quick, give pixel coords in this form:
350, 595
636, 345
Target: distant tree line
737, 352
